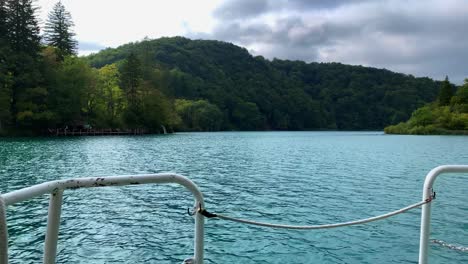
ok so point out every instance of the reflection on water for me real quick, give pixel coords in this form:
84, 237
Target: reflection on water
283, 177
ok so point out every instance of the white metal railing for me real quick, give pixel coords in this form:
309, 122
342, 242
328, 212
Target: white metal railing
426, 208
56, 189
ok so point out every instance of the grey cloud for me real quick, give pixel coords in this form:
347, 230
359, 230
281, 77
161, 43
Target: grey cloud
423, 38
244, 9
245, 34
315, 4
288, 32
233, 9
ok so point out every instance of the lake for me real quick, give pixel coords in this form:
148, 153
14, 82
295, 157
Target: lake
282, 177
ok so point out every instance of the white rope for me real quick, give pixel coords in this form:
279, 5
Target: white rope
357, 222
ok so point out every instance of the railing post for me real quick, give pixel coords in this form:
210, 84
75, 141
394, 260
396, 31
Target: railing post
426, 209
3, 233
425, 227
56, 189
199, 237
53, 224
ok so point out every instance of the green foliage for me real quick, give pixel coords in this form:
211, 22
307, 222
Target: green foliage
254, 93
57, 31
155, 111
5, 99
3, 22
110, 101
32, 109
423, 116
6, 78
23, 28
435, 118
196, 85
198, 115
445, 94
131, 78
459, 102
247, 115
69, 91
147, 107
22, 93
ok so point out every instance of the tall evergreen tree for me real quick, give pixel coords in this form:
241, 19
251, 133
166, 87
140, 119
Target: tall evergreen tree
23, 28
5, 78
27, 97
5, 94
445, 93
131, 76
3, 21
58, 32
130, 81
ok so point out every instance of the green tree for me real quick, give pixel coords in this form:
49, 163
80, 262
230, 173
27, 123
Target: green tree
247, 116
68, 95
27, 95
460, 99
3, 22
435, 118
111, 101
5, 75
130, 78
23, 27
423, 116
198, 115
58, 30
33, 113
254, 93
445, 93
155, 110
5, 100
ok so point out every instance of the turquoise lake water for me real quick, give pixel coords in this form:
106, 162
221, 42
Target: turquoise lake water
281, 177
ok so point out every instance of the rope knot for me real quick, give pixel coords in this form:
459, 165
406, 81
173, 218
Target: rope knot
207, 214
432, 197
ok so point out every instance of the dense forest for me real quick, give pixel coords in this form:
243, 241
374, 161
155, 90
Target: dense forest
183, 85
447, 115
252, 93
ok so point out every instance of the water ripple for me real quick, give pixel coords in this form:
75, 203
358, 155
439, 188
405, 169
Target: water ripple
282, 177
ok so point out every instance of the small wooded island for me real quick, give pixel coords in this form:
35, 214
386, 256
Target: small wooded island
178, 84
448, 115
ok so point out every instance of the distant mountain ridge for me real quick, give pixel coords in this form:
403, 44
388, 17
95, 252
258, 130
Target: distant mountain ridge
253, 93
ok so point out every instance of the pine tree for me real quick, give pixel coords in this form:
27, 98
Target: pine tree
131, 82
23, 29
3, 22
58, 33
5, 92
131, 76
445, 93
5, 78
27, 97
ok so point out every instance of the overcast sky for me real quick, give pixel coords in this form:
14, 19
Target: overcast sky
419, 37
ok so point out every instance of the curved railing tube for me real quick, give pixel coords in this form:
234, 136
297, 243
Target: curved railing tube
426, 208
3, 233
56, 189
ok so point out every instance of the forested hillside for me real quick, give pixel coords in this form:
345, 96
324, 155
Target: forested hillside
448, 115
254, 93
182, 85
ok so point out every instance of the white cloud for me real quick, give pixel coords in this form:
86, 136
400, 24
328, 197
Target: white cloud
115, 22
423, 38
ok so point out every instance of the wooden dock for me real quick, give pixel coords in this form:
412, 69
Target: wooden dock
96, 132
